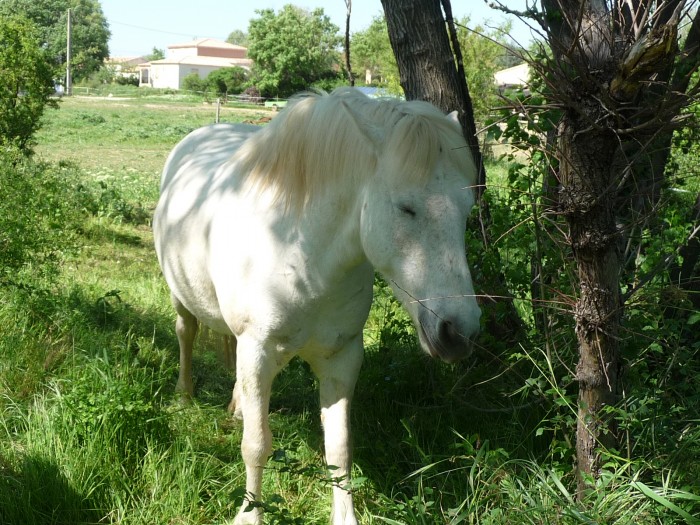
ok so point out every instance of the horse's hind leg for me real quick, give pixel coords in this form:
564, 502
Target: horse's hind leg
230, 344
186, 330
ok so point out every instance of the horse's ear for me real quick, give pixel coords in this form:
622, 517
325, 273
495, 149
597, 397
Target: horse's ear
454, 116
369, 129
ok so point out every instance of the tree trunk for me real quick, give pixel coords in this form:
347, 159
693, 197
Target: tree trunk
588, 201
612, 77
584, 48
427, 70
348, 65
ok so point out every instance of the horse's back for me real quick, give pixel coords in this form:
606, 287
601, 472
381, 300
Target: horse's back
202, 151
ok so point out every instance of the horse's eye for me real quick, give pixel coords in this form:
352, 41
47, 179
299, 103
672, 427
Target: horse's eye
408, 210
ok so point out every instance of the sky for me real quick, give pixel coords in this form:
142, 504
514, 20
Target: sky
138, 26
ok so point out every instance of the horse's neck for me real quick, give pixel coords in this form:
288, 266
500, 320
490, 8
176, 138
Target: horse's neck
331, 227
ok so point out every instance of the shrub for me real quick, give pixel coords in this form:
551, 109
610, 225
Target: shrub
115, 400
26, 82
228, 80
40, 213
192, 82
128, 80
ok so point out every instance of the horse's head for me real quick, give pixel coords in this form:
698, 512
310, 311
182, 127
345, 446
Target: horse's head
413, 226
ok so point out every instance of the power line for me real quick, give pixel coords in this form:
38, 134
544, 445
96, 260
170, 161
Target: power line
152, 30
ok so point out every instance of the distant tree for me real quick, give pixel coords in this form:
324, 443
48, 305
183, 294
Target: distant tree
26, 81
227, 80
292, 49
238, 38
90, 32
156, 54
371, 51
484, 52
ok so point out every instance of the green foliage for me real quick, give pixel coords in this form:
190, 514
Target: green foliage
26, 81
484, 53
371, 51
226, 81
238, 37
193, 82
291, 49
115, 399
155, 54
40, 214
90, 32
659, 404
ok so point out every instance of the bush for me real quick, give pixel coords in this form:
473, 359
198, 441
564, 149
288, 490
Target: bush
330, 82
40, 214
128, 80
192, 82
227, 81
115, 400
26, 82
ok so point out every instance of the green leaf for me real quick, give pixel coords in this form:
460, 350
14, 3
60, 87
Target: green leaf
652, 494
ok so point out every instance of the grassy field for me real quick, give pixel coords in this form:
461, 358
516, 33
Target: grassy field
92, 432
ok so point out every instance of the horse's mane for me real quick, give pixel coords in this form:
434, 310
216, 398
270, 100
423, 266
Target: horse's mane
319, 139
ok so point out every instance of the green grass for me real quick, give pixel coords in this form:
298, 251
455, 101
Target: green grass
91, 430
124, 133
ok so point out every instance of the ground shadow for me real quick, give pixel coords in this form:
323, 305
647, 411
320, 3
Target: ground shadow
37, 493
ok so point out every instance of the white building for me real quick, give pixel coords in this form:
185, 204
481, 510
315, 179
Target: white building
515, 77
125, 66
201, 56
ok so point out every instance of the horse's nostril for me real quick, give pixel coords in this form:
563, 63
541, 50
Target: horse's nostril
449, 335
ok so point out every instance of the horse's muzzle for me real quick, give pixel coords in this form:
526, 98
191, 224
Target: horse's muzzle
445, 338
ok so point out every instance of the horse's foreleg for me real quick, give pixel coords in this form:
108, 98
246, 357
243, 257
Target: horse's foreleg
186, 330
337, 377
254, 375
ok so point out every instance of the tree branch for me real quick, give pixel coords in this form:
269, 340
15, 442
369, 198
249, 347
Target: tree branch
348, 66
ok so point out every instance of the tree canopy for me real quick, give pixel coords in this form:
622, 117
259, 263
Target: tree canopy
238, 38
484, 53
90, 31
292, 49
371, 51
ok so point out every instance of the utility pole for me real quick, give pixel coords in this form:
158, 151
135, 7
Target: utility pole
69, 86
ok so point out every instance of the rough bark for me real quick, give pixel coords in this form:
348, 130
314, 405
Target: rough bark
427, 69
588, 201
583, 49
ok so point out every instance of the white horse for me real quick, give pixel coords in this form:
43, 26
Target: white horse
272, 235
